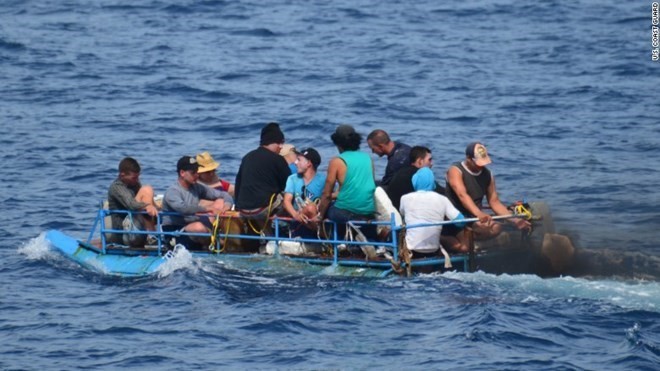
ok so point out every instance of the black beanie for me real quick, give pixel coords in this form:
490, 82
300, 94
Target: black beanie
271, 133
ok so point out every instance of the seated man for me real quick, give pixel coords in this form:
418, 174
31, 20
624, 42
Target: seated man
468, 182
189, 198
401, 183
353, 170
261, 179
424, 205
208, 175
397, 153
126, 193
302, 191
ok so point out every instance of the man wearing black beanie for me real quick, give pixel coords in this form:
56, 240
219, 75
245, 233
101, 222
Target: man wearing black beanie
261, 179
271, 133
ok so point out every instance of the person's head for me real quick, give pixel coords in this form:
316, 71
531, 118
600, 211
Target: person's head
423, 180
288, 151
129, 171
306, 159
379, 142
187, 168
420, 157
346, 138
207, 167
272, 137
476, 155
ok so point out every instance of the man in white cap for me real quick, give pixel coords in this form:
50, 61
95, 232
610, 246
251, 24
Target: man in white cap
468, 182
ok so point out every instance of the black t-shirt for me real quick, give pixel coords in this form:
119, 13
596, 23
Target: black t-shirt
476, 187
262, 173
401, 184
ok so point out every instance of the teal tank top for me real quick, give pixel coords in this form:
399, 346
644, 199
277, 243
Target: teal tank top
357, 193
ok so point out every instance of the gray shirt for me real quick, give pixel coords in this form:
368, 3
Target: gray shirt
186, 201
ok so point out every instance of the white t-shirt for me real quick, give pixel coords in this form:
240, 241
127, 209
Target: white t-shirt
425, 207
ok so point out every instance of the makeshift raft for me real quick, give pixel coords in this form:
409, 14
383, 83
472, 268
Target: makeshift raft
520, 252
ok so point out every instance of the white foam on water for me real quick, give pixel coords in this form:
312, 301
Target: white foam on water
181, 258
642, 295
36, 248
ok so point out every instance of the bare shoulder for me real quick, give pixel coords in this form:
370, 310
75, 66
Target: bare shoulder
454, 173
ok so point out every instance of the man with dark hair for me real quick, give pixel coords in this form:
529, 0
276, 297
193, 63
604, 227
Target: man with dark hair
189, 197
397, 153
401, 183
353, 170
127, 193
304, 188
262, 176
468, 182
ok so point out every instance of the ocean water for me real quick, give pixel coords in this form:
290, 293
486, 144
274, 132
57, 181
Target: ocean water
564, 95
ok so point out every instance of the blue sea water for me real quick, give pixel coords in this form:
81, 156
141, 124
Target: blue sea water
564, 94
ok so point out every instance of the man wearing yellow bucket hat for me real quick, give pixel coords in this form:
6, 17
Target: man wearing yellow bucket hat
208, 173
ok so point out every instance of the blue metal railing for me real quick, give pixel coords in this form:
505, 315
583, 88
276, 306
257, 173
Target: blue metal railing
99, 225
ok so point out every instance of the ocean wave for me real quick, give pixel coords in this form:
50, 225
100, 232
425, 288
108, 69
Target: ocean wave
640, 295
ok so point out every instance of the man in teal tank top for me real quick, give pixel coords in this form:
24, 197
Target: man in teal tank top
353, 170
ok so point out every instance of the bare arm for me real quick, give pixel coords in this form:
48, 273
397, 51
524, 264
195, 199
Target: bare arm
455, 180
494, 199
332, 177
499, 208
288, 206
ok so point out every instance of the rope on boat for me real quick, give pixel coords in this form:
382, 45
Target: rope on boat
520, 210
447, 258
261, 232
405, 255
214, 235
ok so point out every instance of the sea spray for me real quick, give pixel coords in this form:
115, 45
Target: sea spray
177, 259
36, 248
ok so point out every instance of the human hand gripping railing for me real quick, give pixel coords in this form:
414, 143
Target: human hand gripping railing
461, 221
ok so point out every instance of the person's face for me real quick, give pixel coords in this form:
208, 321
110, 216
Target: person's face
206, 176
472, 164
376, 148
130, 178
427, 161
302, 164
190, 176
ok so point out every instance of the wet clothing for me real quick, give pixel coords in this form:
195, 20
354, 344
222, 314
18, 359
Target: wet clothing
122, 197
397, 159
401, 184
186, 201
262, 173
356, 194
476, 186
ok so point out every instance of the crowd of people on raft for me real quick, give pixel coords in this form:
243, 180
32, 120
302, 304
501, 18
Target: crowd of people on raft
278, 179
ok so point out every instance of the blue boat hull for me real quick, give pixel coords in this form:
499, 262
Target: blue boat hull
89, 257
